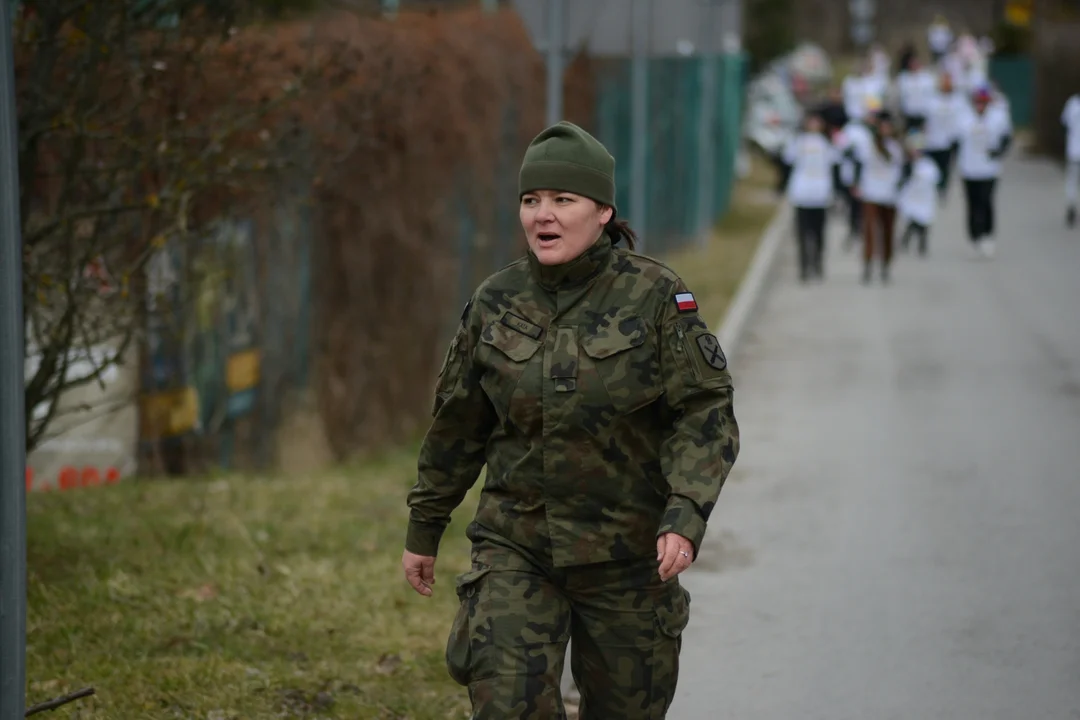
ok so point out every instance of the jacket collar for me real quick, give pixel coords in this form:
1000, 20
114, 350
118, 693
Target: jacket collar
576, 272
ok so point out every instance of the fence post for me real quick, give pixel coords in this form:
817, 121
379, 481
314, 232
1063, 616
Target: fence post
706, 181
12, 418
555, 62
639, 120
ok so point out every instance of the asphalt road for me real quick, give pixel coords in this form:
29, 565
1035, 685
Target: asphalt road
901, 536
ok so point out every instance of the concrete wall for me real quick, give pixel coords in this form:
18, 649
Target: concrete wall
603, 27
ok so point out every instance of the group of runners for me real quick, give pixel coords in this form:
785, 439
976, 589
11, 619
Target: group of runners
884, 147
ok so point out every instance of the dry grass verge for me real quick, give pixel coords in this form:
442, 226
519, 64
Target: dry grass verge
239, 598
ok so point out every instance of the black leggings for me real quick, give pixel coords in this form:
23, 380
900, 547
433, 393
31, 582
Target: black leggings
980, 204
810, 234
943, 159
918, 230
914, 123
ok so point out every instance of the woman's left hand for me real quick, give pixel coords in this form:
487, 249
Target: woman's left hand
674, 553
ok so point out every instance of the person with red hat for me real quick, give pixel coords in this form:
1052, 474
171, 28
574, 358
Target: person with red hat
985, 136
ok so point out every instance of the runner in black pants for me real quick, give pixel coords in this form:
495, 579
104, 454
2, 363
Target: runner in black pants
980, 202
985, 133
812, 158
945, 110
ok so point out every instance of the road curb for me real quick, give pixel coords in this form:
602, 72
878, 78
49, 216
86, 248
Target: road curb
755, 281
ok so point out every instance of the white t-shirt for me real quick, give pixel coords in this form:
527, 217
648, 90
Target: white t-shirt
879, 181
916, 89
848, 138
970, 79
939, 37
880, 64
858, 90
943, 112
812, 158
919, 196
979, 136
852, 90
954, 65
1070, 118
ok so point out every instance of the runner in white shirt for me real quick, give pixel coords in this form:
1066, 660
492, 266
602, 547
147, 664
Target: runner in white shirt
812, 158
940, 134
862, 87
880, 64
953, 64
879, 166
918, 195
1070, 118
853, 90
985, 136
939, 37
856, 132
916, 86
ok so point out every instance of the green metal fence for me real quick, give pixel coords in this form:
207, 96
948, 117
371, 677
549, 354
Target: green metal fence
675, 156
246, 339
1015, 75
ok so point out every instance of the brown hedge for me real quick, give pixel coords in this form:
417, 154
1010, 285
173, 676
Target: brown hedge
407, 120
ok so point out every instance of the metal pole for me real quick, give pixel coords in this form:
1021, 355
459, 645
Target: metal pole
639, 121
12, 420
555, 44
706, 129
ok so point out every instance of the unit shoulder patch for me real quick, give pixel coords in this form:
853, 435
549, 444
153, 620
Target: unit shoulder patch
711, 351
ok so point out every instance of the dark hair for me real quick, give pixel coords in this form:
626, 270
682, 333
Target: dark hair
879, 139
619, 230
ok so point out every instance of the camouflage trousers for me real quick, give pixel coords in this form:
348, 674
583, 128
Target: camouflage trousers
509, 637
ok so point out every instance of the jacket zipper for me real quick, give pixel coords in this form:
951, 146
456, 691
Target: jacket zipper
685, 349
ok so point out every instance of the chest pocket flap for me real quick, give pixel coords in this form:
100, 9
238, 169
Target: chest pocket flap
599, 347
624, 355
510, 341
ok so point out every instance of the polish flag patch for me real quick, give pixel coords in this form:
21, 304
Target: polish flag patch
685, 302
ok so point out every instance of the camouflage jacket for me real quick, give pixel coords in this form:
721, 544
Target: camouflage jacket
600, 402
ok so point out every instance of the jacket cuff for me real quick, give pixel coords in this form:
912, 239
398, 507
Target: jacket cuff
683, 518
423, 538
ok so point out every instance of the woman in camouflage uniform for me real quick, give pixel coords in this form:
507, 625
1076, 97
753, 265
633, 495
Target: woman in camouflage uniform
585, 379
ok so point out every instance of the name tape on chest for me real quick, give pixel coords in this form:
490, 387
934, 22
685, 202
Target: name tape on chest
685, 302
522, 325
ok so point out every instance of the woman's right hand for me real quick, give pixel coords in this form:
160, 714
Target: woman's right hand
419, 572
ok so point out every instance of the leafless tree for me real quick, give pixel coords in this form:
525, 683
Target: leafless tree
136, 121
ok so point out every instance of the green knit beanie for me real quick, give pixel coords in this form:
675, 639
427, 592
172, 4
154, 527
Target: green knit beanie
566, 158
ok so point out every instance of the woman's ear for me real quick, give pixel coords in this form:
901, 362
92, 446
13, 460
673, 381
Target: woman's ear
606, 213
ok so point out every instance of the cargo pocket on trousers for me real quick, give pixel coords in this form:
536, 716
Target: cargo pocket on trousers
459, 656
672, 616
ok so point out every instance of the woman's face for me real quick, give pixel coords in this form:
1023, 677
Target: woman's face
885, 128
815, 124
560, 226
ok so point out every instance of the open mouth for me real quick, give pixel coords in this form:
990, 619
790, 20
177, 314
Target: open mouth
548, 237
